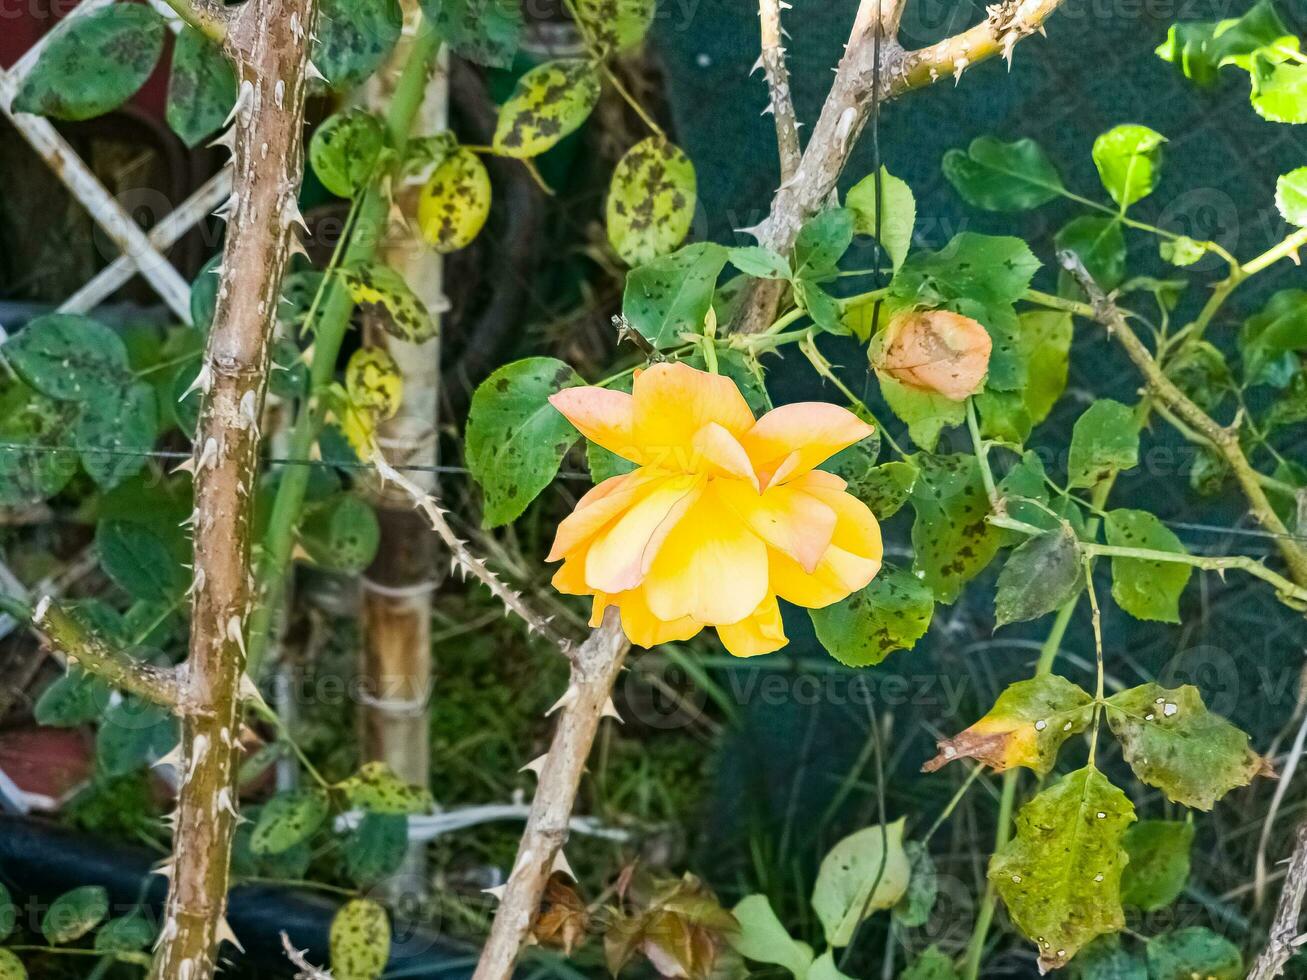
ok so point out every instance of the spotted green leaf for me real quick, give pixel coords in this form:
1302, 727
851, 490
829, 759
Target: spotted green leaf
125, 934
11, 967
821, 243
1104, 441
455, 202
1184, 954
951, 541
288, 819
516, 440
69, 357
1040, 576
1026, 727
1060, 875
1129, 158
29, 419
93, 64
1159, 863
345, 149
201, 87
863, 873
759, 262
615, 25
1099, 244
359, 941
673, 294
382, 294
116, 434
650, 201
341, 533
884, 488
1146, 589
998, 176
1279, 91
549, 102
994, 271
898, 213
74, 913
1174, 743
488, 32
376, 789
375, 848
1291, 197
891, 613
763, 939
353, 38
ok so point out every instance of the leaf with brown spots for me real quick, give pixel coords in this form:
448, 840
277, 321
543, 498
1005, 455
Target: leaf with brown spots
382, 293
891, 613
951, 540
353, 38
1026, 727
485, 31
549, 102
345, 149
615, 25
650, 201
455, 201
360, 941
201, 87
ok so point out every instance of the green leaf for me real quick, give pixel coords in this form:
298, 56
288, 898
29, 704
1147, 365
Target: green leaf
353, 38
77, 698
1199, 48
550, 101
8, 915
1174, 743
341, 534
994, 271
1040, 576
1200, 371
1159, 863
1267, 336
117, 435
926, 413
885, 488
69, 357
1026, 727
998, 176
822, 242
672, 294
1099, 244
345, 149
455, 201
1291, 197
823, 308
824, 968
914, 908
763, 939
375, 848
1104, 959
1060, 875
1004, 416
376, 789
864, 872
651, 200
93, 64
1128, 159
1146, 589
516, 440
28, 418
615, 25
1046, 342
759, 262
488, 32
11, 967
360, 941
1183, 954
891, 613
931, 964
133, 733
74, 913
1279, 89
125, 934
1104, 441
138, 560
951, 541
382, 295
899, 213
201, 87
289, 819
1181, 251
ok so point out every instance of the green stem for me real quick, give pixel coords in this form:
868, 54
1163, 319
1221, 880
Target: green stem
982, 454
1058, 303
368, 231
1240, 273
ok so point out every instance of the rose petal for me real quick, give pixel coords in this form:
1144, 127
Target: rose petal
814, 430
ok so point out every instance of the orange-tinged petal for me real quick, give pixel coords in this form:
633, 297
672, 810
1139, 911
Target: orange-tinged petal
763, 632
600, 604
711, 567
720, 454
786, 517
674, 401
856, 528
815, 430
604, 416
619, 557
644, 629
601, 505
849, 564
570, 577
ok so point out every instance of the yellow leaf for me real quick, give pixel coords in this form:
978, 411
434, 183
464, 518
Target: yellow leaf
550, 102
455, 202
373, 382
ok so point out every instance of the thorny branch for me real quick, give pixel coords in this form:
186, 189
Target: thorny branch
1285, 937
781, 104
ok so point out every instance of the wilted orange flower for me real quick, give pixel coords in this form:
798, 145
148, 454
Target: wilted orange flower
935, 350
723, 515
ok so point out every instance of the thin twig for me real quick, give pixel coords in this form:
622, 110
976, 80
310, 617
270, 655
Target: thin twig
306, 970
781, 105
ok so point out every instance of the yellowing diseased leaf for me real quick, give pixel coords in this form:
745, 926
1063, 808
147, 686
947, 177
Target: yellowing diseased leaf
376, 789
951, 541
382, 293
373, 381
891, 613
1026, 727
679, 926
454, 202
1174, 743
935, 351
550, 101
359, 428
1104, 440
615, 25
865, 872
1041, 575
1060, 875
345, 149
288, 819
360, 941
650, 201
11, 967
